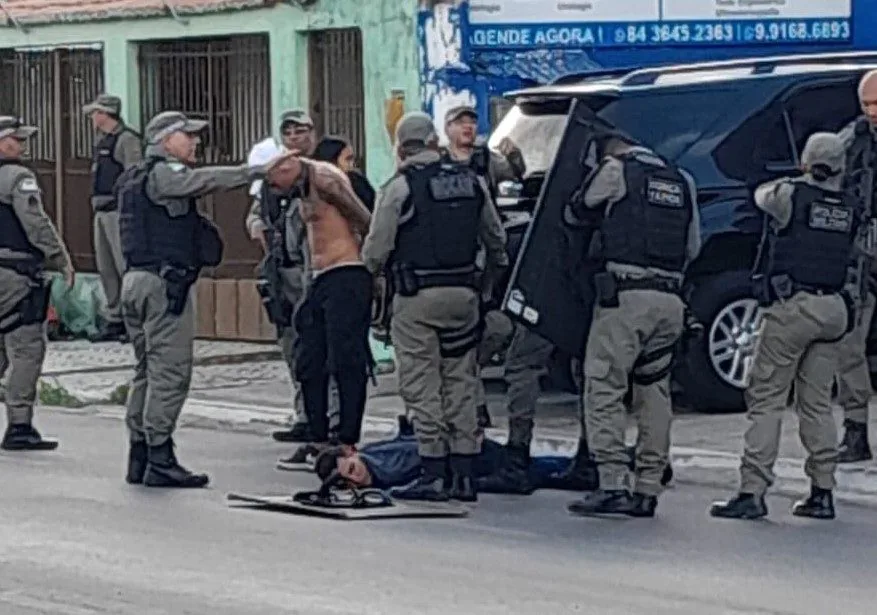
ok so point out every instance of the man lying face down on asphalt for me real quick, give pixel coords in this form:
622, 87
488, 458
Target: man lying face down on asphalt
334, 318
395, 463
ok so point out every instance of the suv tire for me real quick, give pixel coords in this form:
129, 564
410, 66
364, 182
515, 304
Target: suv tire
712, 373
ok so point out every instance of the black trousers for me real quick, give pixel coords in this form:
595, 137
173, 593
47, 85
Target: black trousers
333, 325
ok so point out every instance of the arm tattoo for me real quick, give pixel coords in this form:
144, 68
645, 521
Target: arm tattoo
335, 189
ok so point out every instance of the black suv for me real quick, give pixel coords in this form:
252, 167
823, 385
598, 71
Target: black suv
732, 125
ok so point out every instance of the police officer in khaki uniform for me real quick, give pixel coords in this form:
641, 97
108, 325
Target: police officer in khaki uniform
29, 243
165, 243
428, 222
853, 374
648, 233
803, 277
461, 127
117, 148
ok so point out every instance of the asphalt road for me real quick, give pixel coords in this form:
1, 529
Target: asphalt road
76, 540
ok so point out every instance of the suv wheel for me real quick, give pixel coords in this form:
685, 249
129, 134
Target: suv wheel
715, 372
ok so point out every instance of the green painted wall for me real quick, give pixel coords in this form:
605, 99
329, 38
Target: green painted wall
389, 53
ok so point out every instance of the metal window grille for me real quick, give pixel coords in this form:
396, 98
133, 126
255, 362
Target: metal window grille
224, 81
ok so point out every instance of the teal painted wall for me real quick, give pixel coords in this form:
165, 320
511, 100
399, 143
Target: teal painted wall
389, 53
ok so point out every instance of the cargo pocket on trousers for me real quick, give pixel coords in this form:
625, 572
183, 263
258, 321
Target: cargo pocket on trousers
596, 374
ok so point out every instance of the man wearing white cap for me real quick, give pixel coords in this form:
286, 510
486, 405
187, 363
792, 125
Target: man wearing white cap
276, 220
808, 251
29, 243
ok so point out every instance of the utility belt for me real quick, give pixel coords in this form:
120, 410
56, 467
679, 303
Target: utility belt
178, 280
768, 289
34, 307
608, 285
408, 281
27, 267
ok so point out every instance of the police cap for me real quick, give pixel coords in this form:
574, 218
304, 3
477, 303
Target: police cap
106, 103
455, 113
11, 126
415, 128
825, 149
168, 122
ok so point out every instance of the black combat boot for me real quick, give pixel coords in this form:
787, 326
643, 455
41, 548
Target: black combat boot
667, 476
820, 505
643, 505
741, 506
600, 502
854, 446
300, 432
24, 437
163, 470
513, 477
431, 484
138, 457
581, 475
463, 479
483, 417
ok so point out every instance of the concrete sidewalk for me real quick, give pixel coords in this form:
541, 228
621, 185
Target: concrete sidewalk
238, 386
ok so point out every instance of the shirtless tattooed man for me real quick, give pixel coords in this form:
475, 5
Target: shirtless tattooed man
333, 320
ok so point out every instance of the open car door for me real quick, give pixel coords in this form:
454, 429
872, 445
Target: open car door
551, 288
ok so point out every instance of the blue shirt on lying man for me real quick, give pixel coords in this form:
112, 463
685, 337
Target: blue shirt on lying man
395, 462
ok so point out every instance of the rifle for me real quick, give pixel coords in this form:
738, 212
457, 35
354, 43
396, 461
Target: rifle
270, 282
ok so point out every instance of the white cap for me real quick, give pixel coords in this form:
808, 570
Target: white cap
262, 153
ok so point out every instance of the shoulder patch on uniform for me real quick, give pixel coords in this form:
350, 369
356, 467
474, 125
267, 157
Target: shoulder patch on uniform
176, 166
28, 184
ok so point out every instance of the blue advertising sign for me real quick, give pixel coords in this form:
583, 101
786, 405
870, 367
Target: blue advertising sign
569, 24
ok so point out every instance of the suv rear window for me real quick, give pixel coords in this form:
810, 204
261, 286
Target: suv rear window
536, 128
667, 122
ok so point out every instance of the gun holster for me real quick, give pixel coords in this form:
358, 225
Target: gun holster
31, 310
405, 280
177, 282
279, 310
607, 290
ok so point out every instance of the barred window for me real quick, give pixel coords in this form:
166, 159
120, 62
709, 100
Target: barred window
223, 81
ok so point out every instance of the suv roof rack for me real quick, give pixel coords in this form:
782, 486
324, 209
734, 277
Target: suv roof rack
580, 76
759, 65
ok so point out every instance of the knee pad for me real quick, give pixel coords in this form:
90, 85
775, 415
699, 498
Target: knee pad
654, 366
455, 343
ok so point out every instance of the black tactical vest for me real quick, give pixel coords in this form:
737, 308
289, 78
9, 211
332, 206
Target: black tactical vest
12, 234
479, 163
649, 226
150, 237
815, 248
444, 206
106, 168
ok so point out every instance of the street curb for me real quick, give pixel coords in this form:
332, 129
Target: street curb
856, 484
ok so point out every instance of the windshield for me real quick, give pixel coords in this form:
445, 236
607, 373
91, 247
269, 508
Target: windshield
536, 129
669, 122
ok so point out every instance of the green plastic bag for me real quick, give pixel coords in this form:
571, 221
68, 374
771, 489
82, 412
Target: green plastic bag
78, 308
382, 353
